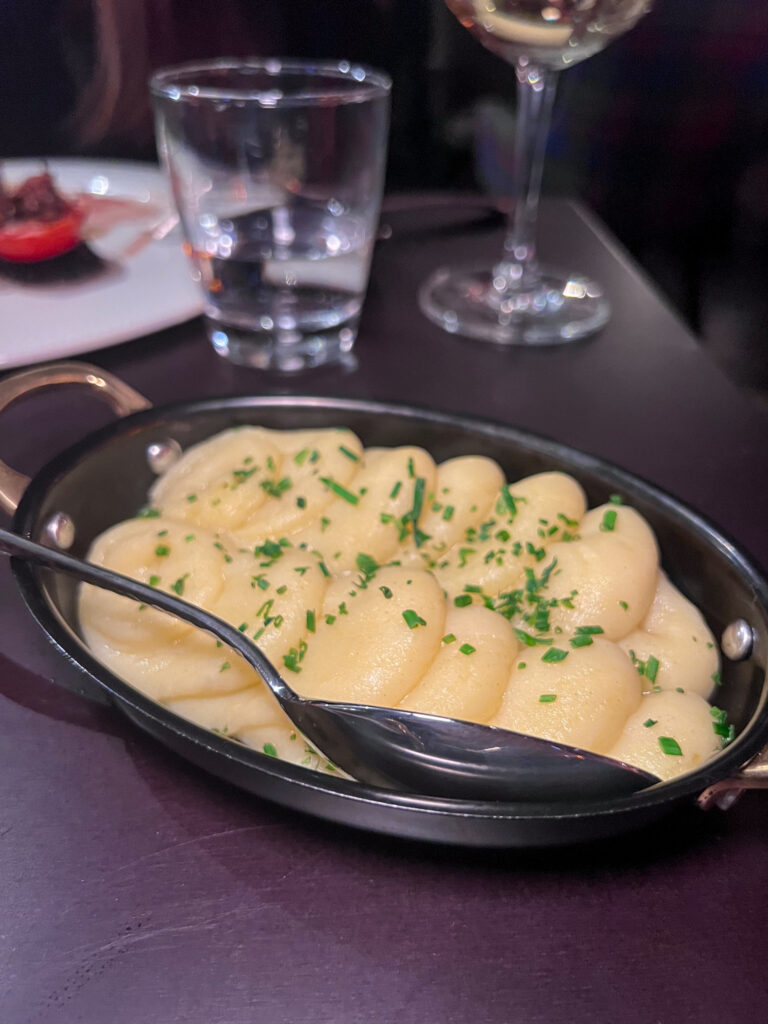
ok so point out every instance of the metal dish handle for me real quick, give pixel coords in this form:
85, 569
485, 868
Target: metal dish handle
725, 793
119, 396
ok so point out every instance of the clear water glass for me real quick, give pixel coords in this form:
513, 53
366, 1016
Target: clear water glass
277, 170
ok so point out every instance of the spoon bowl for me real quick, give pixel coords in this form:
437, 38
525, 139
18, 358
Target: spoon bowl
388, 747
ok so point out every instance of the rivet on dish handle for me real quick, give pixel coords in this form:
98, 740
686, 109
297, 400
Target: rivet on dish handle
724, 794
161, 455
738, 640
121, 398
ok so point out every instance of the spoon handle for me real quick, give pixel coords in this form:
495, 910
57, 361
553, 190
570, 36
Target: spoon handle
29, 551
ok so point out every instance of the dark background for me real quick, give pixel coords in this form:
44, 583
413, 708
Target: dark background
664, 134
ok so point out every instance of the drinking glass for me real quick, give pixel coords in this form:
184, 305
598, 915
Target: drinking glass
277, 170
517, 301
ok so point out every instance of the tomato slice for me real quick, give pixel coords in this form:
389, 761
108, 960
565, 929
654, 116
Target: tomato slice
31, 241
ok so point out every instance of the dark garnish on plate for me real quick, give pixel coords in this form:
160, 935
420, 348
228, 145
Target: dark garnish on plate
40, 239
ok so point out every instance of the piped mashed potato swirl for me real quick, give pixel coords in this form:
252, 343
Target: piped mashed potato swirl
378, 577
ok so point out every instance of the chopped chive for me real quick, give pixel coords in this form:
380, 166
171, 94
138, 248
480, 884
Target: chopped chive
649, 722
269, 549
547, 698
464, 554
241, 475
189, 537
651, 668
589, 630
521, 664
531, 641
670, 746
330, 619
448, 513
301, 502
462, 600
338, 490
270, 750
154, 581
554, 654
717, 678
467, 649
349, 454
367, 565
343, 608
293, 657
412, 516
608, 524
386, 592
281, 590
413, 619
449, 638
162, 551
224, 666
507, 501
311, 621
275, 489
616, 499
243, 626
581, 640
323, 568
411, 468
191, 497
178, 586
624, 605
300, 457
148, 512
396, 489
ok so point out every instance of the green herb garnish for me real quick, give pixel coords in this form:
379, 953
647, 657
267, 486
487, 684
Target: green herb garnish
554, 654
608, 524
338, 490
670, 746
178, 586
413, 619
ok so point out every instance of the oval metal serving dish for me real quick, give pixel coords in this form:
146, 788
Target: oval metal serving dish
105, 478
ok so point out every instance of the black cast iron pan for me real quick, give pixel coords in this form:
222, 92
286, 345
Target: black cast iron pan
105, 478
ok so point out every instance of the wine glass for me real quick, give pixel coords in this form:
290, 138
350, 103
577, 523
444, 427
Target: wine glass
517, 301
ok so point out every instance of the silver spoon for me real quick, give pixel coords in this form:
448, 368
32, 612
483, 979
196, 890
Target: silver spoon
389, 747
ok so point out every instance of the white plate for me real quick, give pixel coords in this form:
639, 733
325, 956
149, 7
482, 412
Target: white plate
146, 288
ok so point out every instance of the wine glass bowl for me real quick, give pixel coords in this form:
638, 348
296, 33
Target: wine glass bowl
517, 301
554, 33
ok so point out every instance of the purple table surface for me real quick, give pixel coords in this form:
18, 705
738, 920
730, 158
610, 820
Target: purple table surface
137, 888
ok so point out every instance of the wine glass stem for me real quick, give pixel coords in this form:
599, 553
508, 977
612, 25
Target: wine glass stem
518, 270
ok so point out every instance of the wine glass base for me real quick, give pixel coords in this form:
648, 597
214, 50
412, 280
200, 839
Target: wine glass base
561, 308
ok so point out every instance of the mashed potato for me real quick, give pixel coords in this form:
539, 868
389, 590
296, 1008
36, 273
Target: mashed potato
378, 577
